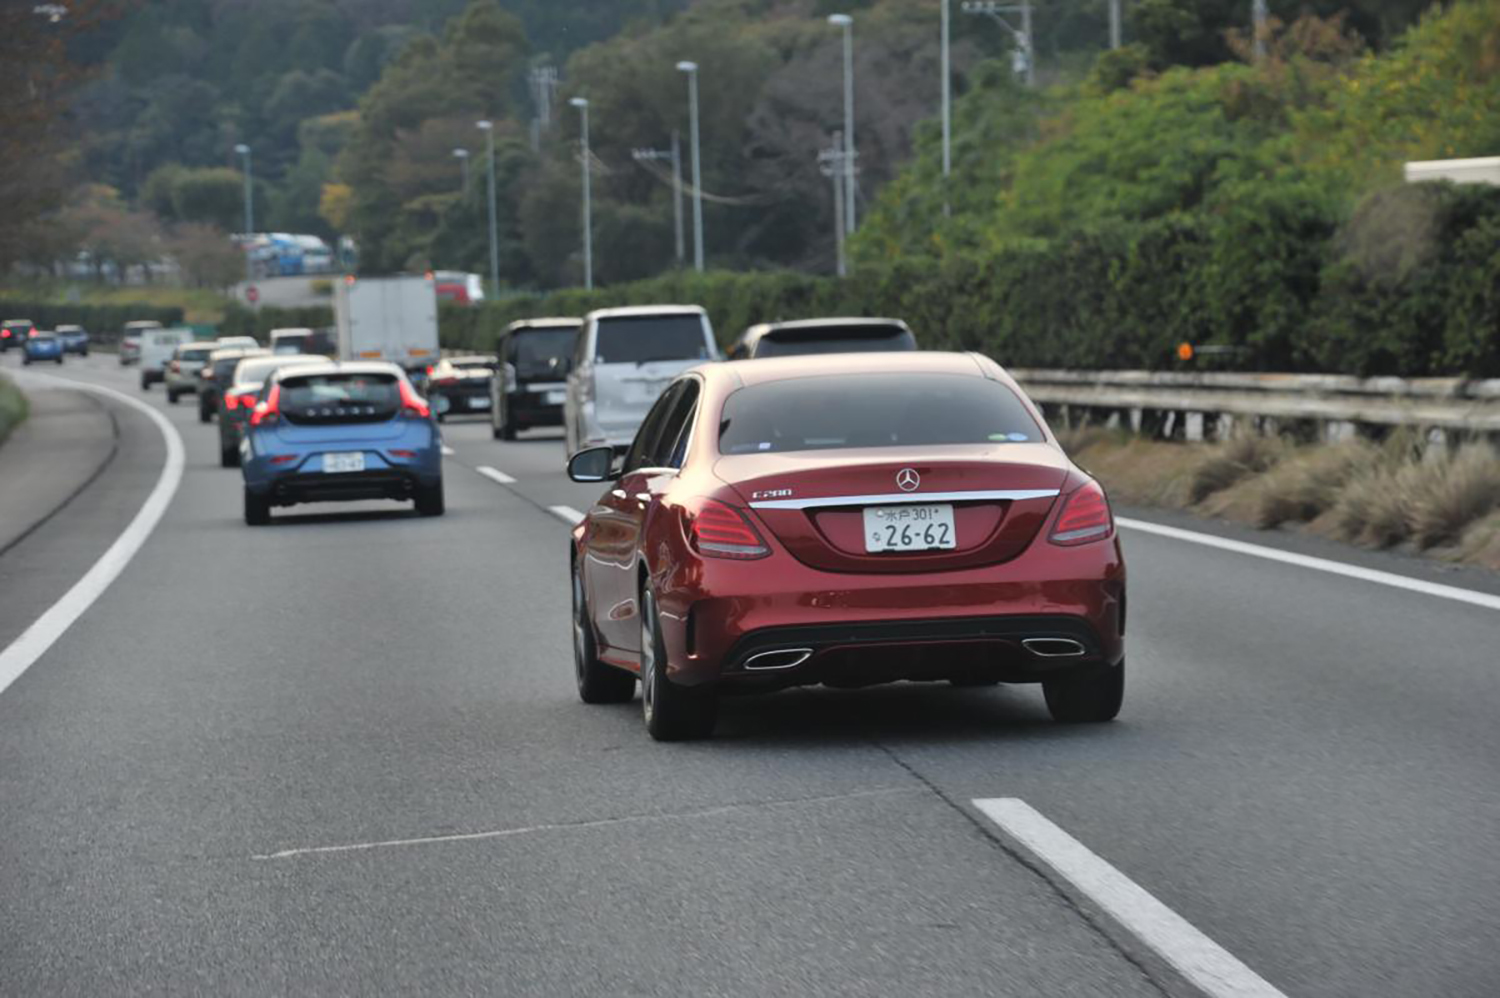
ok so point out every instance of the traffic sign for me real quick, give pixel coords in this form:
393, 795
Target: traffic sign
252, 294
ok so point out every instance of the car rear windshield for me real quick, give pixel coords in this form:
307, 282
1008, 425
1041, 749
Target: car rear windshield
640, 339
545, 351
195, 353
253, 372
835, 339
345, 397
872, 410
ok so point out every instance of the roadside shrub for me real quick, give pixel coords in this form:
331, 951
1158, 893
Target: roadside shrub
13, 407
1233, 461
104, 321
242, 321
1457, 492
1310, 482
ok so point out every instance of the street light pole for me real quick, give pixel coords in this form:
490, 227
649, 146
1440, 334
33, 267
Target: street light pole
244, 152
831, 162
588, 196
1258, 16
463, 157
947, 106
691, 69
488, 127
1114, 24
846, 22
673, 154
1025, 55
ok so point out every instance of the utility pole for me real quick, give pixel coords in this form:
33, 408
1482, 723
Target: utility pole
588, 195
691, 69
1115, 20
947, 107
244, 152
831, 163
846, 22
462, 155
488, 127
1258, 17
1025, 61
543, 81
674, 155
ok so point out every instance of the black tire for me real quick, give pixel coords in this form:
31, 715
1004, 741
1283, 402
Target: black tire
1087, 699
672, 713
507, 426
257, 509
145, 382
172, 397
229, 457
496, 432
59, 360
205, 414
25, 360
430, 499
598, 682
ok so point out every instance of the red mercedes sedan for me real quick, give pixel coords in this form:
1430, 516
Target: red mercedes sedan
848, 519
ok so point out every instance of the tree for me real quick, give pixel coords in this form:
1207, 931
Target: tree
206, 256
215, 196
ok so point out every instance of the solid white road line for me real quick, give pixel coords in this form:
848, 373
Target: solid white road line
1391, 579
495, 474
567, 514
1202, 962
41, 635
448, 451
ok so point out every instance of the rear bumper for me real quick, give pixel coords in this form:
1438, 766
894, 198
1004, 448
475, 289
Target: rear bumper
526, 408
859, 629
462, 401
383, 483
291, 474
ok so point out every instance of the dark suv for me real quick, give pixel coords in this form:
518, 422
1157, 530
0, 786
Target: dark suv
782, 339
218, 374
531, 385
15, 333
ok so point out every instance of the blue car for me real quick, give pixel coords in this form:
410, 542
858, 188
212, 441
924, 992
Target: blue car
41, 346
339, 432
75, 339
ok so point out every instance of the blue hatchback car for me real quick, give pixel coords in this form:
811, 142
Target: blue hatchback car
338, 432
41, 346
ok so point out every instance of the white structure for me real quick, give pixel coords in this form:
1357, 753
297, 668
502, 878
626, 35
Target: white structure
1485, 170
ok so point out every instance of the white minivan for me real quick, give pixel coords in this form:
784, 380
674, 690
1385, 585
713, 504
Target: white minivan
157, 346
623, 359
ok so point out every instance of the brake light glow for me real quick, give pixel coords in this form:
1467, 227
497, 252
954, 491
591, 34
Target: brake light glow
283, 458
30, 333
718, 530
413, 404
1085, 517
405, 455
268, 411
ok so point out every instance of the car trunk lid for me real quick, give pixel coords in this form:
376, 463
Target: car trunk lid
1000, 496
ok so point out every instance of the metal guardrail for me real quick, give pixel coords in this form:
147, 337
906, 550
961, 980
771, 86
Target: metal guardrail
1338, 403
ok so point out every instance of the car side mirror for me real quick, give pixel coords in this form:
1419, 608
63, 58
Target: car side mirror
596, 464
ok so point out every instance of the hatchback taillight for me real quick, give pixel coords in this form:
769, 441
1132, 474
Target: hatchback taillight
412, 404
1085, 517
268, 411
718, 530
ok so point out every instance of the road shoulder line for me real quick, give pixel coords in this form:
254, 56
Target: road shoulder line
495, 475
1203, 964
1375, 575
567, 514
34, 642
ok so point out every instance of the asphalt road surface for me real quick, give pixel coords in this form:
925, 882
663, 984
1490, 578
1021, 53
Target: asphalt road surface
343, 754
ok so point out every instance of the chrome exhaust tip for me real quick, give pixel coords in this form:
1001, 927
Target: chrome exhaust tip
781, 658
1054, 647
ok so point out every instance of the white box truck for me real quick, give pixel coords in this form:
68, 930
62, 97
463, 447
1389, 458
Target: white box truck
387, 318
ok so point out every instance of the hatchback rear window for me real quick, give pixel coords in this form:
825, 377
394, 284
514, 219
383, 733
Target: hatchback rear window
194, 353
640, 339
339, 398
841, 339
873, 410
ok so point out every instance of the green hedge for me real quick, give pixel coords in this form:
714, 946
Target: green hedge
104, 321
242, 321
1409, 286
13, 407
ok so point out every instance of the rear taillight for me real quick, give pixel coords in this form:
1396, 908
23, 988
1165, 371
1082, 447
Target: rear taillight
405, 455
176, 366
718, 530
268, 411
412, 404
446, 381
30, 333
244, 400
1085, 517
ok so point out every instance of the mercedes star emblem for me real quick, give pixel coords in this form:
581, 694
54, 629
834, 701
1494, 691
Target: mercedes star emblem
907, 480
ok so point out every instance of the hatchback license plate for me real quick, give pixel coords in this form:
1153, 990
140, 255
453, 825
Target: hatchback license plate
334, 464
909, 528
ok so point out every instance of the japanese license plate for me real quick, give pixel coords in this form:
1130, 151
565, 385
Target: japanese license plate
556, 398
334, 464
909, 528
479, 402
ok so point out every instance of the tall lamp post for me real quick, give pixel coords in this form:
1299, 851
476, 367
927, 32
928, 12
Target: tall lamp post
845, 22
588, 195
947, 69
244, 152
462, 155
488, 127
691, 69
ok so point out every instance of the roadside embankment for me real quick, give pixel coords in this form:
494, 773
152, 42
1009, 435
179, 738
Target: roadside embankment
68, 438
13, 407
1399, 493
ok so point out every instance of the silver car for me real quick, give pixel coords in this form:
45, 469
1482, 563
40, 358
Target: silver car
623, 359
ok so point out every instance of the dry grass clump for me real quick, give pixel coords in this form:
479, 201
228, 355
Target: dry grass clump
1234, 461
1480, 544
1428, 502
1310, 481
